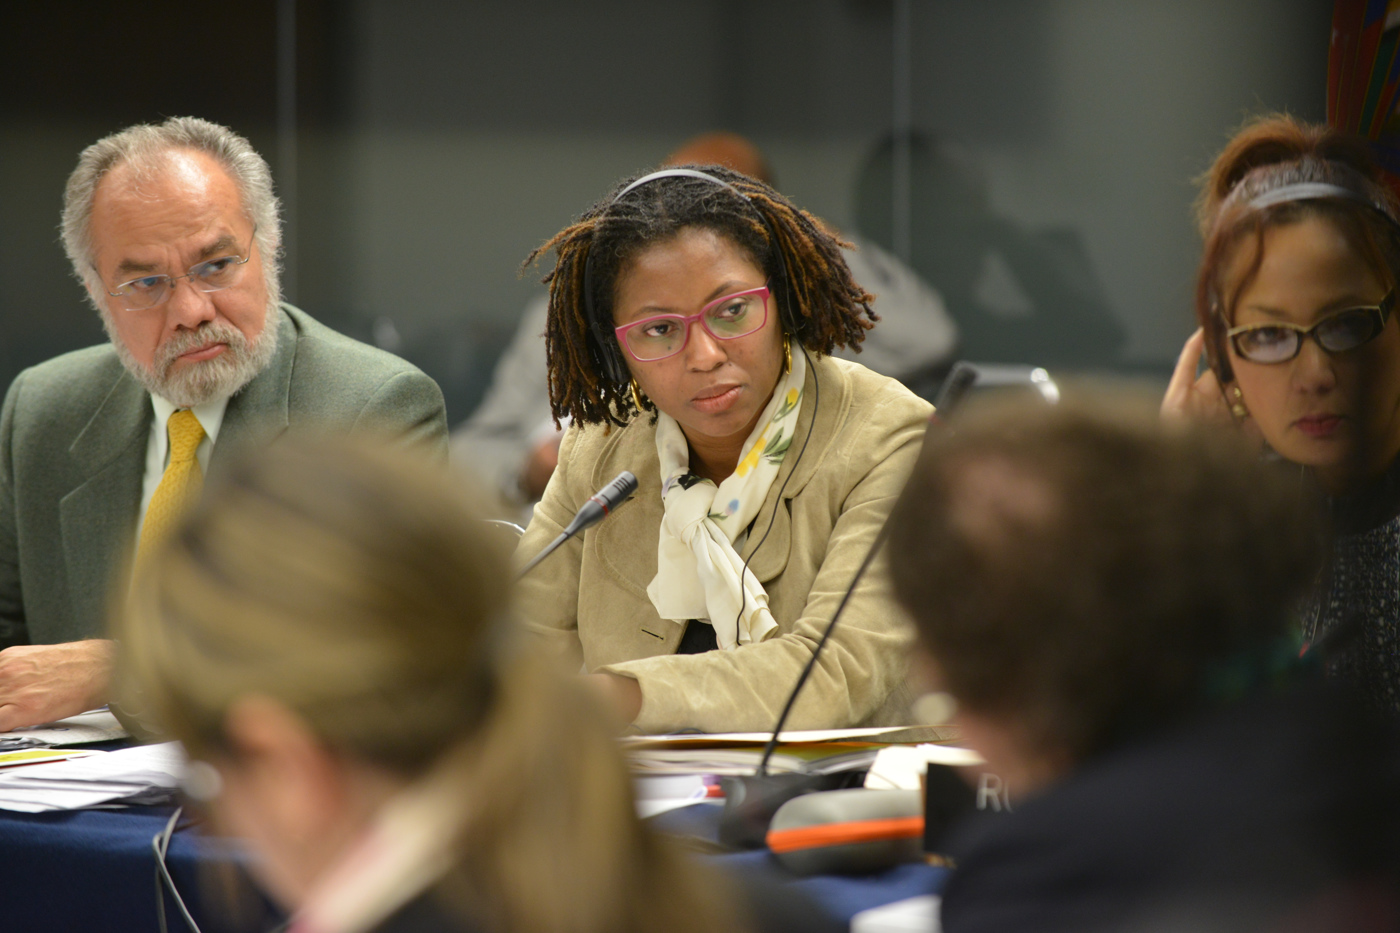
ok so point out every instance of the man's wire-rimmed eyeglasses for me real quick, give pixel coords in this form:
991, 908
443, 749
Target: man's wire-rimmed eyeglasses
211, 275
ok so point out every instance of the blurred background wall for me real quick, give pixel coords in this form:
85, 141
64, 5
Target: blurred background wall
423, 147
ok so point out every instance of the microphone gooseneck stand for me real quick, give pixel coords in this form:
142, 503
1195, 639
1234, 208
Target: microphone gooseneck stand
598, 507
762, 769
751, 800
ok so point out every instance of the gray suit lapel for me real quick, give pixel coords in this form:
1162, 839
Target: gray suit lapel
260, 411
98, 517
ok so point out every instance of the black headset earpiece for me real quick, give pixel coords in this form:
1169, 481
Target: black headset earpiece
606, 351
1217, 355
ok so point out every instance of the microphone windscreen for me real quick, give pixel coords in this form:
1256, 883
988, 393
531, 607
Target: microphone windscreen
848, 831
616, 492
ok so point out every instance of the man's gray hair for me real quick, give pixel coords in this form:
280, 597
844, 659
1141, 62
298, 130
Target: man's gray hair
142, 147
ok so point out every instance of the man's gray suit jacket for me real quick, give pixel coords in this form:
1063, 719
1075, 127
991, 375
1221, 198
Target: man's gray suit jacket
73, 436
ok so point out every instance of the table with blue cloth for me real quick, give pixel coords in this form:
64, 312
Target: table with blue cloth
96, 870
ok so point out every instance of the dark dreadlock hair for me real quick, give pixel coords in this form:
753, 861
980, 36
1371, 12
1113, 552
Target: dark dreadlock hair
820, 305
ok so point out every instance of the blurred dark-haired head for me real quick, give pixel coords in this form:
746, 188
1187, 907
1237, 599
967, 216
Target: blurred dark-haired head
1092, 573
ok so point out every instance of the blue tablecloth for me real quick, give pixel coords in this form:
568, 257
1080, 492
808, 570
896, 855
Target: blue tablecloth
95, 870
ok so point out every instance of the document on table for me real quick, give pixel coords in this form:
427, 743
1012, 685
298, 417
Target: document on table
812, 751
661, 792
902, 767
98, 725
144, 774
863, 733
916, 915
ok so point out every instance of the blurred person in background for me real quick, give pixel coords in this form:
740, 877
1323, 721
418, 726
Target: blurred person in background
175, 233
1018, 293
511, 438
1295, 300
1108, 597
692, 314
329, 639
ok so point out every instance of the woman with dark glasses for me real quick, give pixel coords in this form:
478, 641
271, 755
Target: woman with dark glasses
691, 317
1295, 299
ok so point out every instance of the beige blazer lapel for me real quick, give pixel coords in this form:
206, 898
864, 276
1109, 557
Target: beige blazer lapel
97, 519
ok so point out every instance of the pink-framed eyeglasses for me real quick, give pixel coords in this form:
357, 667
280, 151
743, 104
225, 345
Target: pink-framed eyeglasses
726, 318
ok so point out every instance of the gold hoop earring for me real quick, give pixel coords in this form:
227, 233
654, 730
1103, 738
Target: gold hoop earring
636, 395
787, 354
1237, 407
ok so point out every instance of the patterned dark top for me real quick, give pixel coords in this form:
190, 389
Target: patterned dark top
1361, 610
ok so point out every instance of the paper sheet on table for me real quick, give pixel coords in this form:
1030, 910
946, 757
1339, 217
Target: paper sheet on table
819, 751
657, 794
28, 757
98, 725
916, 915
144, 774
899, 767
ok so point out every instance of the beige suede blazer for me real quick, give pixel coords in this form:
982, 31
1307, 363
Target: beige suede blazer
589, 599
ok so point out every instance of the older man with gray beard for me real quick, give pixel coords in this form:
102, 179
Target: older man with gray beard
174, 232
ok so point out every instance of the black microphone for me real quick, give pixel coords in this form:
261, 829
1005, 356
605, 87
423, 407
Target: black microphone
598, 507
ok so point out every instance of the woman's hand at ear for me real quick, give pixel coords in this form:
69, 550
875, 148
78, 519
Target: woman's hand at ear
1192, 397
1201, 398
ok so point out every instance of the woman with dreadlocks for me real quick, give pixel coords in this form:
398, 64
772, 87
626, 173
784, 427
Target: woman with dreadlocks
692, 314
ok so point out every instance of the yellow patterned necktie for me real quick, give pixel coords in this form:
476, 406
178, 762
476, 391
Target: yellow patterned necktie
179, 486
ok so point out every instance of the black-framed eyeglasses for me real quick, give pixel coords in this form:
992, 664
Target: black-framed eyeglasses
212, 275
1338, 332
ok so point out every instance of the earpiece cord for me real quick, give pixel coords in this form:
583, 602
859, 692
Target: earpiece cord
816, 405
161, 844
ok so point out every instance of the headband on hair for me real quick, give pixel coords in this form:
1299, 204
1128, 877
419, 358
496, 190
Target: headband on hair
1313, 191
606, 352
1346, 184
676, 173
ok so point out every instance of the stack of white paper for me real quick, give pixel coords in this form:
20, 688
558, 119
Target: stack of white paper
657, 793
99, 725
735, 753
144, 774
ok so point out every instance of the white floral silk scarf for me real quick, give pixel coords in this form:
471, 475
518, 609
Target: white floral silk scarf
699, 573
